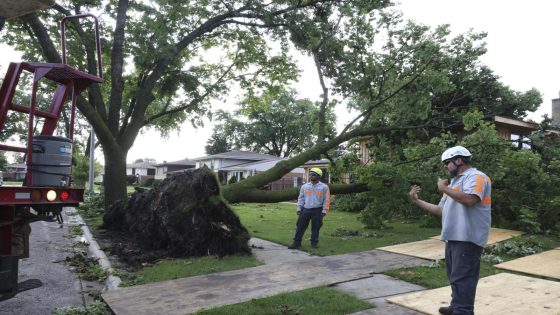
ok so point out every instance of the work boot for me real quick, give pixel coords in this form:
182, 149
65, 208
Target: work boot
447, 310
294, 246
314, 245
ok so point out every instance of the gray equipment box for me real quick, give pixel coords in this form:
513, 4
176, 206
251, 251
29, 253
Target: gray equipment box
52, 161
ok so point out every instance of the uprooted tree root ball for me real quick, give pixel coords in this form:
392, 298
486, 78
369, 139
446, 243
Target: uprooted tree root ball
183, 216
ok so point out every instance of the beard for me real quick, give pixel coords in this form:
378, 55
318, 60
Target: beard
452, 172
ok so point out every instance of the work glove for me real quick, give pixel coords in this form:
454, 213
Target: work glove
323, 214
298, 212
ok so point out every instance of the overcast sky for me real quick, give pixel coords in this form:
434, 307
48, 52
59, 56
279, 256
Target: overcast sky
523, 49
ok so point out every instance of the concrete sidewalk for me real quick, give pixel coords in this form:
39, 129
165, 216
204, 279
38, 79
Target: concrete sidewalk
285, 271
373, 289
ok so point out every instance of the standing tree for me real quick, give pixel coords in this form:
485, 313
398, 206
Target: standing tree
273, 123
161, 70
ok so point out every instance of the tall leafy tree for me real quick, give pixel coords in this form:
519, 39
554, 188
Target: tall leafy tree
3, 161
158, 69
275, 123
406, 81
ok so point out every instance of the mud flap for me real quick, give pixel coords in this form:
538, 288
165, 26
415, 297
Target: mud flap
20, 241
8, 276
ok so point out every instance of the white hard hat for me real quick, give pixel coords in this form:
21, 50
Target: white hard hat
455, 151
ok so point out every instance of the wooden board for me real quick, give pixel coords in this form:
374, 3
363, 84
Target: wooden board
503, 293
496, 235
545, 264
434, 249
427, 249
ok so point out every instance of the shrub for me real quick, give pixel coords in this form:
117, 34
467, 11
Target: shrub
131, 179
232, 180
149, 182
350, 202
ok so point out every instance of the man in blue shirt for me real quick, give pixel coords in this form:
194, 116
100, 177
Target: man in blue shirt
465, 210
313, 205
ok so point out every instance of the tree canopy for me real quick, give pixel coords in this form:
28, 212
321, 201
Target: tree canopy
166, 60
406, 82
272, 123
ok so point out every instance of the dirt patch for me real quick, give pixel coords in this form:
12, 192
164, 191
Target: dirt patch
183, 216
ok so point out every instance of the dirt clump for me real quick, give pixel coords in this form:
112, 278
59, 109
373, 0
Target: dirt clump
183, 216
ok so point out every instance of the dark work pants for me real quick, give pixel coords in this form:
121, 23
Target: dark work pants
315, 216
462, 262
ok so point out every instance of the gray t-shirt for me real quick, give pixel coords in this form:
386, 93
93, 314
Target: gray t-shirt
463, 223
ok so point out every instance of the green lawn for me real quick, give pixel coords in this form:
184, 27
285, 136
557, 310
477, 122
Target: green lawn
8, 183
315, 301
276, 223
181, 268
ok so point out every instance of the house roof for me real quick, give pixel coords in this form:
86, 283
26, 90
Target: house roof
239, 155
141, 165
17, 165
316, 162
184, 162
259, 166
516, 124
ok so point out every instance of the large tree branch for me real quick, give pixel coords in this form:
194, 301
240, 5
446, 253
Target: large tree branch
325, 98
268, 196
145, 96
41, 34
194, 102
117, 61
284, 167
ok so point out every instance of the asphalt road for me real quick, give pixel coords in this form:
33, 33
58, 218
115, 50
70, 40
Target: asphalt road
49, 243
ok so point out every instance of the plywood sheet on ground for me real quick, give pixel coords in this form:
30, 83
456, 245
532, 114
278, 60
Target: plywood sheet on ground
427, 249
545, 264
503, 293
496, 235
188, 295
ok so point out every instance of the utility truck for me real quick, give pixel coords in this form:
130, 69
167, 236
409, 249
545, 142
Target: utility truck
47, 187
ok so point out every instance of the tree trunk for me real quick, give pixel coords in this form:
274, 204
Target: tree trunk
114, 179
233, 193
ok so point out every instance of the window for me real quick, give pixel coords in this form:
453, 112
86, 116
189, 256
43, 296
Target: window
520, 141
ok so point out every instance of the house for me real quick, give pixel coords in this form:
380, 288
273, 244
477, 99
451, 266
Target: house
167, 168
142, 170
15, 172
515, 130
293, 179
322, 164
242, 164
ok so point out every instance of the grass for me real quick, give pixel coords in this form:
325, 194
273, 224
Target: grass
10, 183
276, 223
181, 268
75, 230
87, 267
94, 308
315, 301
434, 275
